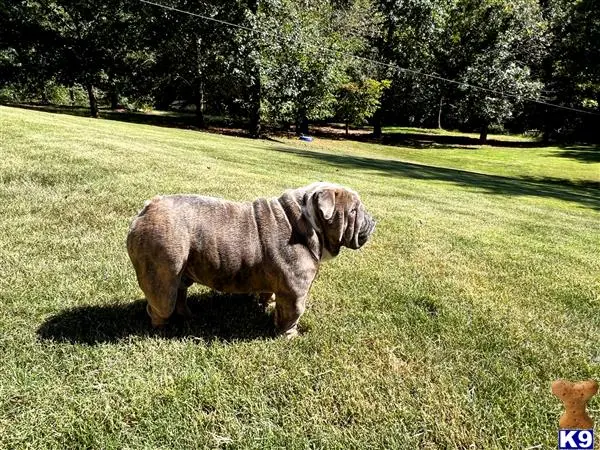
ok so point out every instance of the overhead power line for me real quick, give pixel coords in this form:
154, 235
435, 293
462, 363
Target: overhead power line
462, 83
379, 63
212, 19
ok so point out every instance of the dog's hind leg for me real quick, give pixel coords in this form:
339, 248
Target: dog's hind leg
161, 291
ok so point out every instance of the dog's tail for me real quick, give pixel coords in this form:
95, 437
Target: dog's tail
147, 203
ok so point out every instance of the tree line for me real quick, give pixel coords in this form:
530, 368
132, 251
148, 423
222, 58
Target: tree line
288, 63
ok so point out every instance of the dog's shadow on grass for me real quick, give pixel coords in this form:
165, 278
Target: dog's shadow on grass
221, 317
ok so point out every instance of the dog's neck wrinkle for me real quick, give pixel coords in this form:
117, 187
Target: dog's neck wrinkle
326, 245
293, 210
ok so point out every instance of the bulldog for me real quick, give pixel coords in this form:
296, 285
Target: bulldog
271, 247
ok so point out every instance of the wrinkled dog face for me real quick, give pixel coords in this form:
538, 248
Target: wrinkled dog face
338, 215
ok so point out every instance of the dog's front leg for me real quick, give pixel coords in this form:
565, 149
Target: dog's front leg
288, 310
181, 305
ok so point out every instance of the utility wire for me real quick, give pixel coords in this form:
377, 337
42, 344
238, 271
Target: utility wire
212, 19
379, 63
461, 83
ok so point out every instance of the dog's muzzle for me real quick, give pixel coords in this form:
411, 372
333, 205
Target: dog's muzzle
366, 230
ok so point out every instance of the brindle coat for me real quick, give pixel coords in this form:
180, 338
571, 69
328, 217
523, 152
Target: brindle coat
268, 246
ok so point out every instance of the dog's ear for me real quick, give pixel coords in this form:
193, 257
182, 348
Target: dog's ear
326, 203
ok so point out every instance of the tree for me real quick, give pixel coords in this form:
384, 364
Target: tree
358, 101
293, 63
197, 61
498, 45
255, 86
459, 40
304, 61
76, 41
30, 53
411, 38
86, 31
572, 69
499, 72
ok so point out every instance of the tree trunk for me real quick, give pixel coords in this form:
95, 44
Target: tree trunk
199, 97
483, 134
72, 95
93, 102
546, 135
302, 124
165, 98
255, 85
113, 93
255, 109
114, 99
44, 96
377, 124
547, 126
440, 113
199, 85
347, 130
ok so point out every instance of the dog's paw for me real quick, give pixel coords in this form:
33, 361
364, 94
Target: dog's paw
290, 334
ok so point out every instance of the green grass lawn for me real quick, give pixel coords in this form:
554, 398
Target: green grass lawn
480, 287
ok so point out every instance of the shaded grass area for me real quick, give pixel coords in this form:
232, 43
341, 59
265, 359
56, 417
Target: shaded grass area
426, 140
588, 154
423, 138
479, 288
585, 192
216, 317
169, 119
394, 136
557, 164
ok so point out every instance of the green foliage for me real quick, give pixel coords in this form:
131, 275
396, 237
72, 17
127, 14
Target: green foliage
57, 94
412, 38
301, 66
296, 61
520, 48
496, 44
358, 101
9, 94
503, 74
572, 68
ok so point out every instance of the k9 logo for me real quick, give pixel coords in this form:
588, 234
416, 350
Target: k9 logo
575, 439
